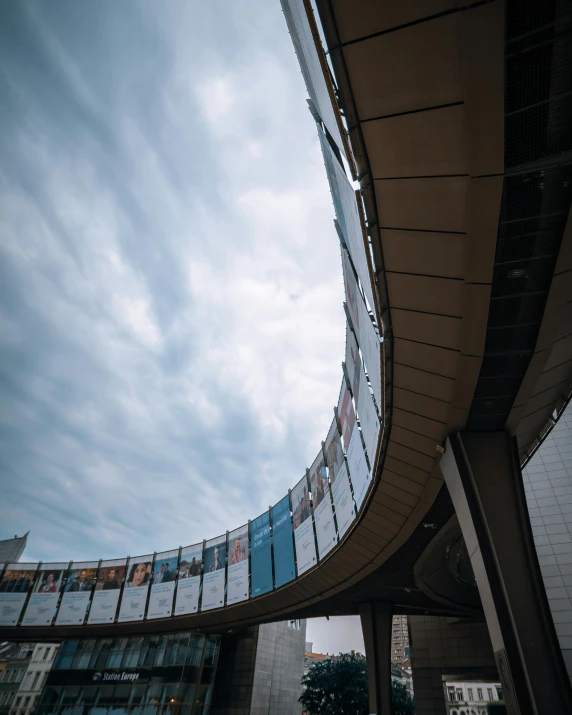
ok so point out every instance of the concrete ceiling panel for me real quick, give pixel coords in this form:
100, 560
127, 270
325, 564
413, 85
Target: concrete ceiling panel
424, 253
443, 296
438, 330
426, 357
430, 143
420, 404
434, 204
414, 68
424, 383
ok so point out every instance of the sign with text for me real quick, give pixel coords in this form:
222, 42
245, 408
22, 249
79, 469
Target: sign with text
284, 569
304, 541
134, 598
214, 577
189, 583
260, 555
163, 587
237, 587
43, 602
107, 589
77, 593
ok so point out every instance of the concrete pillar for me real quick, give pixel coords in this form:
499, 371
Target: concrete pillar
376, 619
483, 476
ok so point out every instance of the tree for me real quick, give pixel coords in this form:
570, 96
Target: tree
401, 701
339, 687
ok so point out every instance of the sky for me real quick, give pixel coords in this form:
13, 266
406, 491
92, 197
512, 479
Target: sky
171, 321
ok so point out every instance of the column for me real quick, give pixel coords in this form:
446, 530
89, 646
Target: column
482, 473
376, 619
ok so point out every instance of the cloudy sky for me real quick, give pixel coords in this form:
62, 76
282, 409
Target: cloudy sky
171, 319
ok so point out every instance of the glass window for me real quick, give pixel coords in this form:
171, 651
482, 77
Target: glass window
451, 694
17, 701
83, 655
88, 695
195, 651
187, 693
490, 693
480, 693
101, 654
499, 693
460, 694
137, 696
470, 691
202, 700
105, 698
47, 653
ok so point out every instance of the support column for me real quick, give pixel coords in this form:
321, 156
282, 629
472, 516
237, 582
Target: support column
482, 473
376, 620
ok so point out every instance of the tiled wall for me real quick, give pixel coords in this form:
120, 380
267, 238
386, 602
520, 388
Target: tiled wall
279, 669
548, 485
445, 646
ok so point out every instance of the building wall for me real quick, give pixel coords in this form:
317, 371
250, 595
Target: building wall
40, 664
399, 639
471, 697
446, 646
548, 486
279, 668
14, 663
232, 693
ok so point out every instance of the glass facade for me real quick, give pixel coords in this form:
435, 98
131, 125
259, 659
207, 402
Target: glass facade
169, 674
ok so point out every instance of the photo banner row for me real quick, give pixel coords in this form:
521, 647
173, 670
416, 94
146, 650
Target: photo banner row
349, 221
363, 327
339, 479
302, 38
261, 555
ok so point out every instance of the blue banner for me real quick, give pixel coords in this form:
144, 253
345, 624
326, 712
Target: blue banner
260, 555
284, 569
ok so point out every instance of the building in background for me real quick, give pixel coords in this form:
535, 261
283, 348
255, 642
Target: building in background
41, 662
471, 698
159, 674
12, 549
260, 670
14, 661
399, 640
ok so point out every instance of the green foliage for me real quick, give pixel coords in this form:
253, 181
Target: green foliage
401, 702
339, 687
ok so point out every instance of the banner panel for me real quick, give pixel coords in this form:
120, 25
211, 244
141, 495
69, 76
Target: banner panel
214, 578
237, 589
107, 590
358, 468
284, 568
43, 602
369, 421
353, 296
353, 362
134, 598
15, 585
323, 512
189, 583
340, 483
304, 541
345, 204
346, 415
260, 555
77, 593
303, 41
370, 347
163, 587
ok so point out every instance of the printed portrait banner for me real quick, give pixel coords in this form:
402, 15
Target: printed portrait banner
343, 500
349, 221
304, 541
301, 509
370, 347
214, 576
260, 555
237, 588
333, 449
136, 588
284, 568
163, 587
189, 583
77, 593
43, 602
346, 415
369, 421
353, 296
353, 362
307, 54
107, 590
14, 587
323, 512
357, 465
